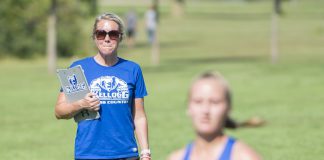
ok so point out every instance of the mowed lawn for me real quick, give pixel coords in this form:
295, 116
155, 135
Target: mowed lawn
230, 37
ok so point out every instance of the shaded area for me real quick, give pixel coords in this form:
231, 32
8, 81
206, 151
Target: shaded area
165, 44
231, 16
181, 64
208, 60
164, 69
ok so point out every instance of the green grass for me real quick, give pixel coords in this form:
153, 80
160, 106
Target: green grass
229, 37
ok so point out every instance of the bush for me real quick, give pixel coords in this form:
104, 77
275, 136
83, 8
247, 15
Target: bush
24, 27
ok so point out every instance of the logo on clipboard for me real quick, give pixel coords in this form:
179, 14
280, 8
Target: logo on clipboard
74, 86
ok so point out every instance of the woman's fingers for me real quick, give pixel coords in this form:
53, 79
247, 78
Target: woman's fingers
95, 103
91, 102
95, 106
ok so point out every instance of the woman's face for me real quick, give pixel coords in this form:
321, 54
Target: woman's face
107, 46
207, 108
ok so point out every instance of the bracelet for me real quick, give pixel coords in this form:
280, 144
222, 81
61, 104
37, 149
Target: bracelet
145, 156
145, 153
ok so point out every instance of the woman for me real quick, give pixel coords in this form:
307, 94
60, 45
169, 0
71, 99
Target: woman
209, 106
117, 92
131, 22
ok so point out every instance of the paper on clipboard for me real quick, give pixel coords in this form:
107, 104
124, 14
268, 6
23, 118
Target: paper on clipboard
75, 87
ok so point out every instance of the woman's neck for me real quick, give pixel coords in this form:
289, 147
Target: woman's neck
209, 141
106, 60
208, 147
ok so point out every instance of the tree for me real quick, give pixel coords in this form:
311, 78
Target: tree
274, 31
24, 28
91, 5
22, 31
51, 37
156, 44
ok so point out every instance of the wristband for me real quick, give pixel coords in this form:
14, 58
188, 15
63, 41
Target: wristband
145, 156
146, 151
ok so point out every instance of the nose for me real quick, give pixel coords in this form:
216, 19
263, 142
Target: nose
205, 108
107, 38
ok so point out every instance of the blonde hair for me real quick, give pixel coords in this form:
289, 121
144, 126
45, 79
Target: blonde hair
111, 17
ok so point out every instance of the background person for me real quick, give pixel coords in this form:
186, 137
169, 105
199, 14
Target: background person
151, 23
131, 25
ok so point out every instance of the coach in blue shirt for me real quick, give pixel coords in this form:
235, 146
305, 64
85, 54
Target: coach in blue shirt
117, 92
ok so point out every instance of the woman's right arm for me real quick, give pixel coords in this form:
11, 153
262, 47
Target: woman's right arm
65, 110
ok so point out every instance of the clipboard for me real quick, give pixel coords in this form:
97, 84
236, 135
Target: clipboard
75, 87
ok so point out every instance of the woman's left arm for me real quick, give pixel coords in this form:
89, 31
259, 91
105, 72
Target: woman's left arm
141, 127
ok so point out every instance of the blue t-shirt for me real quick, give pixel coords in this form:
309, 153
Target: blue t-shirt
112, 135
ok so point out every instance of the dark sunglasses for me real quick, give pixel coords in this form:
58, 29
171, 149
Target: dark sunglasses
113, 35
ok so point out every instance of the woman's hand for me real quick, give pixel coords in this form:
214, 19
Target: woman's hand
90, 102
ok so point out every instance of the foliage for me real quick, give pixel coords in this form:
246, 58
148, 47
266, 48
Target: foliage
69, 28
24, 27
22, 33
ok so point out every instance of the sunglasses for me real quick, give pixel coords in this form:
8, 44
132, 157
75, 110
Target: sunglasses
113, 35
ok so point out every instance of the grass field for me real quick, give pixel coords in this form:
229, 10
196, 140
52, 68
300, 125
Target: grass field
230, 37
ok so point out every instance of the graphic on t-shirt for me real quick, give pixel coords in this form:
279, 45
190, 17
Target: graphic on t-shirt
110, 90
74, 85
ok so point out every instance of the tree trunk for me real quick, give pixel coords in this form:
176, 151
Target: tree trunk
274, 38
277, 7
51, 38
156, 43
